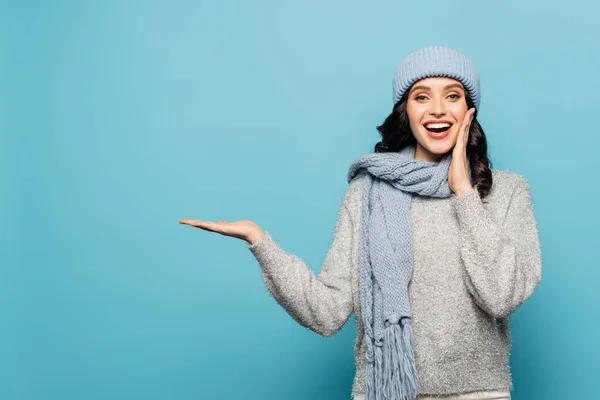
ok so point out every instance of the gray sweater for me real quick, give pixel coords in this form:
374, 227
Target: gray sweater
475, 262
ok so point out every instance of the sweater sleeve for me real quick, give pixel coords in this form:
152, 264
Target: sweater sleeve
502, 260
322, 303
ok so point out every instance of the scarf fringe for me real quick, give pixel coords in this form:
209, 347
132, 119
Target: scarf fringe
409, 358
370, 378
394, 365
378, 373
393, 333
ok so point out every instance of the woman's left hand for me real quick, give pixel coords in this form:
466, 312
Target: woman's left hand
458, 175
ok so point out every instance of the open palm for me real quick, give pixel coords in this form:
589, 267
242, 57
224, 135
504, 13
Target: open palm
458, 174
242, 229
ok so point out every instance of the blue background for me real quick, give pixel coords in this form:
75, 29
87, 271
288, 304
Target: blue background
117, 119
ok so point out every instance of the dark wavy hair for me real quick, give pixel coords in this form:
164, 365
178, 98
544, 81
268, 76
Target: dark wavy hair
396, 134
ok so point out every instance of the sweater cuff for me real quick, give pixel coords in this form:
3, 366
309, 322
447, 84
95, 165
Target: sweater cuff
264, 249
265, 237
468, 206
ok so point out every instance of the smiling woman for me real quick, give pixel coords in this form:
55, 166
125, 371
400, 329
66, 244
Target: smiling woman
430, 271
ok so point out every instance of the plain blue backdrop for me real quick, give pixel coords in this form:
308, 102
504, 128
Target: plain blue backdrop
118, 118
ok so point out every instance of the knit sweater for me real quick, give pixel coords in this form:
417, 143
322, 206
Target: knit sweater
475, 262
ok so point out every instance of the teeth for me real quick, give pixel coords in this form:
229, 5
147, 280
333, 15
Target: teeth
437, 126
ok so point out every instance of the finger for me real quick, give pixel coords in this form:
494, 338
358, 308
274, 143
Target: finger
471, 114
463, 126
458, 151
461, 137
466, 120
207, 225
467, 133
188, 221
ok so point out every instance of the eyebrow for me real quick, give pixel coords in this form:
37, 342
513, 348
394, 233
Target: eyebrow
450, 86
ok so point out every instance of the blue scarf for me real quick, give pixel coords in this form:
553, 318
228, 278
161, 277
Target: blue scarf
386, 262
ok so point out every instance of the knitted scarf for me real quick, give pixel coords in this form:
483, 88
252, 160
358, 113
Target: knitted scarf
386, 262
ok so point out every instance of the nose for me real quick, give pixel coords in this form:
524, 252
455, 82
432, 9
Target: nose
438, 108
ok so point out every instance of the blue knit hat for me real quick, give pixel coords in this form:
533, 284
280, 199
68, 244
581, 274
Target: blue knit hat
437, 61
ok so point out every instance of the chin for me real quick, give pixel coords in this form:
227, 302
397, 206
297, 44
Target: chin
439, 147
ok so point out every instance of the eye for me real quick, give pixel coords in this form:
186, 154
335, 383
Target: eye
420, 97
456, 96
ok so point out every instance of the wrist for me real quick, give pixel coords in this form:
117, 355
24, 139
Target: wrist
254, 238
464, 190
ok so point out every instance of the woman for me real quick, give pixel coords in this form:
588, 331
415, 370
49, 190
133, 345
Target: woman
432, 249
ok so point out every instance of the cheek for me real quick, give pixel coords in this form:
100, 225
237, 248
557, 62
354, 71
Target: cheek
416, 128
414, 117
459, 111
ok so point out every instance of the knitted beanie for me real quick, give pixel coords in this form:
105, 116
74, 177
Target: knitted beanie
437, 61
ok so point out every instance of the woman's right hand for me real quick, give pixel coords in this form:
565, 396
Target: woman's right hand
242, 229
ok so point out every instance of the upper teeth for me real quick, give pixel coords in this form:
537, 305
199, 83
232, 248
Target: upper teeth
440, 125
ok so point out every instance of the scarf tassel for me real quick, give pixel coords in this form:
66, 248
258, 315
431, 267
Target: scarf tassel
394, 369
378, 373
370, 371
409, 359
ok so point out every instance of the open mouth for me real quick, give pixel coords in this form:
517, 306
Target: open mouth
438, 128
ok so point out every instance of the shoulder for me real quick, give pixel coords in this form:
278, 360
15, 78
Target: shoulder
506, 182
353, 196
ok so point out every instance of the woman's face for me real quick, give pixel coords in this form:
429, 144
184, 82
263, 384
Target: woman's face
435, 107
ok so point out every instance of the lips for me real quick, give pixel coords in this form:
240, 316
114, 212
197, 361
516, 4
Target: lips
437, 129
